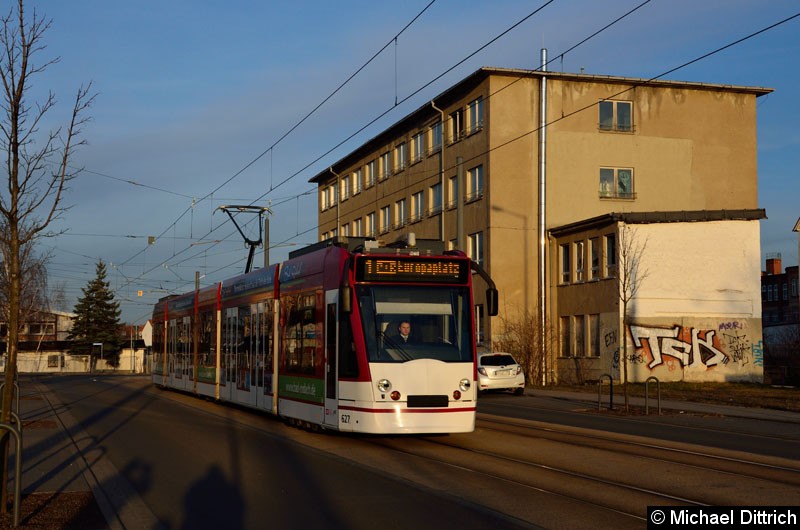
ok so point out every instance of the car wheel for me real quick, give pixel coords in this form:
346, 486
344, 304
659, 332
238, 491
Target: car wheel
519, 391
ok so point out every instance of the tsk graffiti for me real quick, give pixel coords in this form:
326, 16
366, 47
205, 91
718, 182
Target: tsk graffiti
758, 353
692, 347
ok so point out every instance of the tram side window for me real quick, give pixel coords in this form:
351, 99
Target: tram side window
158, 338
265, 345
301, 334
207, 339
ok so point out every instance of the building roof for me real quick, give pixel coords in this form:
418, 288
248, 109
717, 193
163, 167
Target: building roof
426, 111
683, 216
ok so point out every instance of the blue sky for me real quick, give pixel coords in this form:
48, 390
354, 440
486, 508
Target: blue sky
193, 97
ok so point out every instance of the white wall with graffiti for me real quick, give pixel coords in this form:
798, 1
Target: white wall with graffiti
696, 315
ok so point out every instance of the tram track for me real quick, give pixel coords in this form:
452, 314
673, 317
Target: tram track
553, 475
514, 458
757, 467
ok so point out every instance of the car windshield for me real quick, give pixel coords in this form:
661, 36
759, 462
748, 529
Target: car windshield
438, 318
497, 360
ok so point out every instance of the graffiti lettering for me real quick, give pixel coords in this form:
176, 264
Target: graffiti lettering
758, 353
666, 342
611, 338
738, 346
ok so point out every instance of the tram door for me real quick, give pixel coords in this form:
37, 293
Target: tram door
331, 358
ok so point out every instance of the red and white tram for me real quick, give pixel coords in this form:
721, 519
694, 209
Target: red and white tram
311, 339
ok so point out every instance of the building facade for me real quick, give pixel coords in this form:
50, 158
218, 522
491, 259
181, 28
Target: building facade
780, 302
665, 292
497, 160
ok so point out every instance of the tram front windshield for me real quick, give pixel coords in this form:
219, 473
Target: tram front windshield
438, 318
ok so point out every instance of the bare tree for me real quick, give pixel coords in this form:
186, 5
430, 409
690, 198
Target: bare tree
33, 295
38, 170
630, 275
520, 336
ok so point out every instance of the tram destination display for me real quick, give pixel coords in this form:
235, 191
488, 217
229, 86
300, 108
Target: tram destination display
412, 270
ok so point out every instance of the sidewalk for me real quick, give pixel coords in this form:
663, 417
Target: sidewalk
66, 481
669, 405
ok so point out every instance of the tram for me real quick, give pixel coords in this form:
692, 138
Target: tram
314, 339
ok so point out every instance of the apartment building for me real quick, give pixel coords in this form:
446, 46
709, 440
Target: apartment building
499, 159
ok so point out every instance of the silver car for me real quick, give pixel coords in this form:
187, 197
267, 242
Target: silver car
499, 371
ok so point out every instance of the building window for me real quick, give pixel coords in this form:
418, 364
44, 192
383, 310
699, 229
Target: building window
785, 291
594, 256
475, 183
41, 328
384, 167
400, 213
357, 177
565, 263
323, 200
579, 261
436, 137
435, 198
452, 244
475, 250
357, 227
452, 195
455, 126
417, 207
400, 157
769, 293
370, 221
417, 147
346, 229
475, 116
385, 220
611, 256
564, 337
372, 173
616, 116
332, 196
794, 286
616, 183
580, 337
344, 187
594, 335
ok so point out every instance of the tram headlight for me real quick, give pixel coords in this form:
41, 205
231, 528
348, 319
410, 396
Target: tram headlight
384, 385
464, 384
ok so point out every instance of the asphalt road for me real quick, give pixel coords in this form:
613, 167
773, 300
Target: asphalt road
542, 460
200, 465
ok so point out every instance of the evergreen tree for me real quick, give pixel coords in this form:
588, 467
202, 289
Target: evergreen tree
96, 320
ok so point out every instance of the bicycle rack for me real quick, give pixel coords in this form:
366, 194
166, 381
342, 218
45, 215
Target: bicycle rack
610, 391
647, 394
17, 433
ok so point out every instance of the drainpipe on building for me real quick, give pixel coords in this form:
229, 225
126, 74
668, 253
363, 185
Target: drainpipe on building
460, 235
441, 174
542, 217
